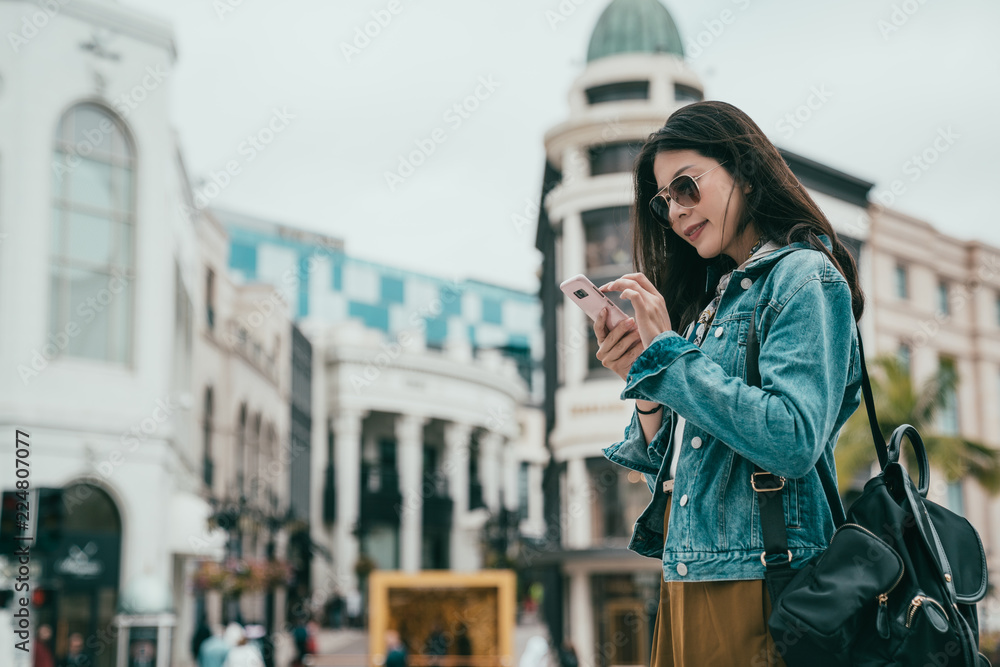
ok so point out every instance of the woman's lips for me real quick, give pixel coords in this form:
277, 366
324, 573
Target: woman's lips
697, 231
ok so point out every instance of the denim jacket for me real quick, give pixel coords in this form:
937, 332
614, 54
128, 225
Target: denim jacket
810, 373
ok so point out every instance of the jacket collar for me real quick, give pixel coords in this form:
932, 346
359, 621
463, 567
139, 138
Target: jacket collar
715, 268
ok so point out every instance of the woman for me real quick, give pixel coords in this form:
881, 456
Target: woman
725, 238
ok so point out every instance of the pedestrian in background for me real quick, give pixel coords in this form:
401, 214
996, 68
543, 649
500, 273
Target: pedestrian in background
213, 651
395, 653
43, 653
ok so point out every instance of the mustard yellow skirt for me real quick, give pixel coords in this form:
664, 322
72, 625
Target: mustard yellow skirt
713, 624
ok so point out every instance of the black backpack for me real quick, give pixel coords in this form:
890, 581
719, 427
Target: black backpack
899, 582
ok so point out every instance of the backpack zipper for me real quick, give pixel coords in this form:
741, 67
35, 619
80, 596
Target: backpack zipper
918, 602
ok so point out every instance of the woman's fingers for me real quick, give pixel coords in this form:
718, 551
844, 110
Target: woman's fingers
642, 280
624, 344
618, 341
600, 326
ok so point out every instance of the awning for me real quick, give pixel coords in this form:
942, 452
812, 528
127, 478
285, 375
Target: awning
190, 534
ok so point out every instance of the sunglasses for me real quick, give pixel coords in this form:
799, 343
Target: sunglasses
683, 190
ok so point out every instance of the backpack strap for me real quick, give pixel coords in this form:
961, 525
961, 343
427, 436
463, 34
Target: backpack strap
776, 555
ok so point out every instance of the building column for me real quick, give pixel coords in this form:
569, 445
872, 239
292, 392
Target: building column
510, 475
578, 504
347, 470
572, 340
489, 469
581, 617
462, 541
410, 464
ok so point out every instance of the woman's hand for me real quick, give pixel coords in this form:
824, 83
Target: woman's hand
650, 310
618, 347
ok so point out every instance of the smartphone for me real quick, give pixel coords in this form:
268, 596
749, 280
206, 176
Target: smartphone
585, 294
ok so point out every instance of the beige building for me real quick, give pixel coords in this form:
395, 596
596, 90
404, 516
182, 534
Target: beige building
935, 299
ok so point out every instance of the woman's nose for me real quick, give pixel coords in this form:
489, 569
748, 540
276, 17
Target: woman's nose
676, 212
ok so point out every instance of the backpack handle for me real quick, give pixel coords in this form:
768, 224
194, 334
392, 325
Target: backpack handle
895, 442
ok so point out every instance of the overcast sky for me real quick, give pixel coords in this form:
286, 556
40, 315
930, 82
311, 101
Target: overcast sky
894, 75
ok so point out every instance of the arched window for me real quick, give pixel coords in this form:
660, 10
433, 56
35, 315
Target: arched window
93, 235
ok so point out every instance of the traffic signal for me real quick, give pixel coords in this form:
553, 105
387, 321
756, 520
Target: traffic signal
50, 515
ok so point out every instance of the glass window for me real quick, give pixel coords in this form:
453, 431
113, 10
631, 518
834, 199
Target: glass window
206, 426
613, 158
609, 239
684, 93
956, 500
904, 355
902, 288
943, 297
948, 412
522, 492
91, 251
613, 92
609, 255
210, 298
618, 497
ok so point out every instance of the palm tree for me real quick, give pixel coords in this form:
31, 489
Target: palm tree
897, 402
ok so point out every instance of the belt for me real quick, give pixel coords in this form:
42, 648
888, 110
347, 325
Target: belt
668, 486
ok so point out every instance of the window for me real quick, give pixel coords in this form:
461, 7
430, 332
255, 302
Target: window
614, 92
93, 235
210, 298
206, 437
241, 448
613, 158
942, 292
948, 412
904, 356
684, 93
956, 499
618, 497
523, 497
608, 246
902, 288
608, 238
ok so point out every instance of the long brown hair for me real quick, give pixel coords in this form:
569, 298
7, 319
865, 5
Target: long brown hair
777, 203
